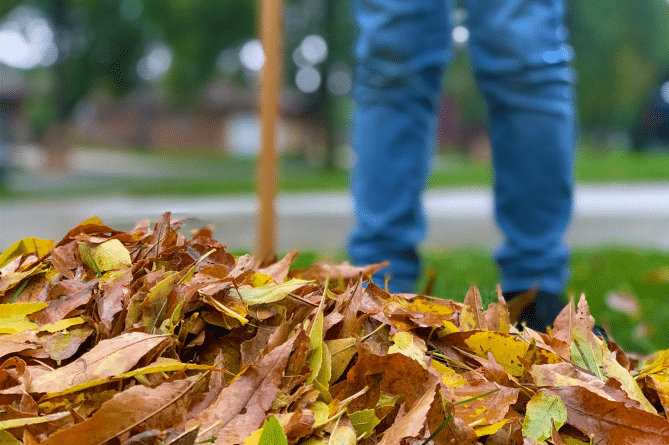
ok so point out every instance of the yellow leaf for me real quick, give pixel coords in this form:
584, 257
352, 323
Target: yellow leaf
154, 306
410, 345
430, 307
315, 358
39, 247
322, 382
506, 349
321, 413
612, 369
93, 220
61, 325
490, 429
270, 293
13, 317
111, 255
343, 434
254, 437
449, 328
660, 364
9, 310
17, 423
259, 279
449, 377
16, 323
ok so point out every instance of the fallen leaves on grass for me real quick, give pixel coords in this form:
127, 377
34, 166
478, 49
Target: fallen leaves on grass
148, 337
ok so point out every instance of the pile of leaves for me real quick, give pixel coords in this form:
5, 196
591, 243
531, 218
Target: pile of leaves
147, 337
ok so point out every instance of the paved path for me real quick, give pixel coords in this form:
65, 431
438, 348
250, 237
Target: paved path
631, 215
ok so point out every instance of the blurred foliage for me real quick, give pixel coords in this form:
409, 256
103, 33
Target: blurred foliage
620, 48
99, 47
621, 53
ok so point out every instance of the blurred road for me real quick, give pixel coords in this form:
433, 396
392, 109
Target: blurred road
633, 215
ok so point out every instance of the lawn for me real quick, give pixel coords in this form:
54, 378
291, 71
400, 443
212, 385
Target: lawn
202, 173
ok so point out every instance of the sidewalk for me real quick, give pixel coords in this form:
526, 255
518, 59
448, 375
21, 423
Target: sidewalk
631, 215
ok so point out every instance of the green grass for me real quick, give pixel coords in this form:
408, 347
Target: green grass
203, 173
643, 274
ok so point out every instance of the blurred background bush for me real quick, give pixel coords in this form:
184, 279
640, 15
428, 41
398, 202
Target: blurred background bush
174, 74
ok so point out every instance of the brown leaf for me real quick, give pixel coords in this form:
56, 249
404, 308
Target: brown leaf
485, 410
112, 298
62, 345
279, 270
343, 271
612, 422
395, 374
241, 407
88, 229
108, 358
161, 408
66, 296
64, 259
413, 423
21, 341
472, 311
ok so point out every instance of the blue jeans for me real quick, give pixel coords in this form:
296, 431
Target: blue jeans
520, 61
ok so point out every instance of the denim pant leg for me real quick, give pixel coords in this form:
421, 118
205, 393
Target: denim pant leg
520, 59
401, 51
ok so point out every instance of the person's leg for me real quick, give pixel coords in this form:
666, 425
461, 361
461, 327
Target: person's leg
401, 51
520, 60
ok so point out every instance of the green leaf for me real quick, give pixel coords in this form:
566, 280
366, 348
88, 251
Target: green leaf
542, 411
7, 439
270, 293
364, 422
272, 433
586, 356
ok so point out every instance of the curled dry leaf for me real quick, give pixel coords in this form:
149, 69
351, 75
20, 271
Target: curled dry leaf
135, 337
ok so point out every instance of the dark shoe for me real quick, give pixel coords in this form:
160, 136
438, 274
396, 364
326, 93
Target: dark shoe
538, 309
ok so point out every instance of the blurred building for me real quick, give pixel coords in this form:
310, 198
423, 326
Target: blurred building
223, 118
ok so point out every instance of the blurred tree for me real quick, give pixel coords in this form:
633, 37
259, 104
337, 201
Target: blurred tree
620, 53
101, 44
